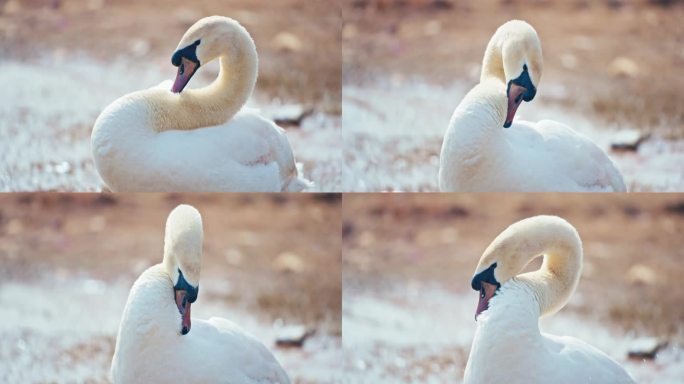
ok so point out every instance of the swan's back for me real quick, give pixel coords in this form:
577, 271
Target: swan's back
255, 360
247, 154
218, 348
553, 359
581, 362
554, 157
509, 348
150, 348
542, 157
215, 351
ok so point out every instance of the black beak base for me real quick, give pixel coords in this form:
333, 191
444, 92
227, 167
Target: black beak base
524, 81
189, 52
184, 295
486, 284
486, 276
187, 62
183, 285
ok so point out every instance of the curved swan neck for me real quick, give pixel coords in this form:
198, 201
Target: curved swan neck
549, 236
555, 281
473, 133
183, 244
492, 62
150, 295
483, 111
233, 86
224, 97
513, 44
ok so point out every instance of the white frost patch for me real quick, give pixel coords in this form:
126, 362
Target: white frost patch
317, 143
59, 330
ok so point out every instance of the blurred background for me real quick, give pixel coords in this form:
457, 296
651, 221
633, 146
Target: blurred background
271, 264
612, 71
408, 309
63, 61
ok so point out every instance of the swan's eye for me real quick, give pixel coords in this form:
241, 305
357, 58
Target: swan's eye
482, 293
181, 69
185, 302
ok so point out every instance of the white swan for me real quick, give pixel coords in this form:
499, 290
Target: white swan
197, 139
508, 346
156, 343
478, 155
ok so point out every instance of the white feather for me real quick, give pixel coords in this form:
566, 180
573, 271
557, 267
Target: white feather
149, 346
479, 155
199, 140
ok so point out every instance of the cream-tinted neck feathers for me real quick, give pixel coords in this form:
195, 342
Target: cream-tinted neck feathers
183, 244
482, 111
549, 236
513, 45
223, 38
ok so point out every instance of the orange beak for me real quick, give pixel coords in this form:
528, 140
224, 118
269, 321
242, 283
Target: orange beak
487, 291
186, 69
515, 98
183, 305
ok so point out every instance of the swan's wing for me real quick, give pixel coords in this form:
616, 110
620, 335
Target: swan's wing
256, 363
242, 138
276, 146
582, 362
239, 155
567, 153
567, 141
245, 137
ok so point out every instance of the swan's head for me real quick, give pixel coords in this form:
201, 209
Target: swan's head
203, 42
509, 253
183, 258
521, 54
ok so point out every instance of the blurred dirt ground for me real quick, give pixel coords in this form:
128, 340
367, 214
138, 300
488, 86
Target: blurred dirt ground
409, 258
609, 66
298, 41
63, 61
67, 262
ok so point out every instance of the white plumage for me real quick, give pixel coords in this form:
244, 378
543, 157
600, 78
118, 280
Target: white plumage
149, 345
479, 155
198, 139
508, 346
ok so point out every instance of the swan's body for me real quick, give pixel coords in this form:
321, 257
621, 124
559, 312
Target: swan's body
150, 347
197, 139
508, 346
479, 155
